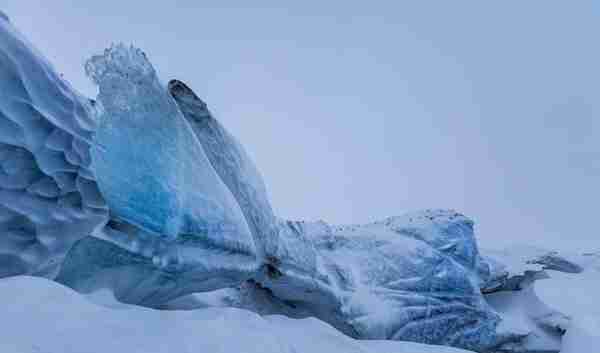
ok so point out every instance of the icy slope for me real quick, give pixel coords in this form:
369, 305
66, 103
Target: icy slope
48, 198
33, 306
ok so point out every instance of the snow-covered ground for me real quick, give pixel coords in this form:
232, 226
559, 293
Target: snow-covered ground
576, 295
41, 316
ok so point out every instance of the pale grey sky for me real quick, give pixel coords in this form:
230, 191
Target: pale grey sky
356, 111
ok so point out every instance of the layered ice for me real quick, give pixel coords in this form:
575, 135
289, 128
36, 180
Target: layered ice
233, 165
48, 198
174, 227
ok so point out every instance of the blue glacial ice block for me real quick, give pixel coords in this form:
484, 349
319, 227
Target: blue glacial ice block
231, 162
152, 170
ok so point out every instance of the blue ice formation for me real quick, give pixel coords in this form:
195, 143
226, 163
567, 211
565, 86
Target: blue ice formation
374, 281
144, 192
175, 228
74, 177
48, 196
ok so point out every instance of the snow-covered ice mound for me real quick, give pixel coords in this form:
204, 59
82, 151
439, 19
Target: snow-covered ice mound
385, 281
47, 317
145, 195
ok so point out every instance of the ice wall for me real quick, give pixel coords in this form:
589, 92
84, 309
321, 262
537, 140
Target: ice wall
48, 196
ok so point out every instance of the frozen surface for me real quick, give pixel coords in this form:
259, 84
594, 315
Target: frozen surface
522, 310
233, 165
582, 336
576, 295
47, 200
32, 306
384, 280
518, 266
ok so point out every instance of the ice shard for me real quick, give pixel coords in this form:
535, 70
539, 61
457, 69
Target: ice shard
233, 165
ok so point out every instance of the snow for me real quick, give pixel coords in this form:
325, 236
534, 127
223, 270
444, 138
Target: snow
524, 312
583, 335
150, 168
46, 317
518, 266
576, 295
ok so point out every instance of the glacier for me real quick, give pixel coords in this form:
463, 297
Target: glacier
143, 193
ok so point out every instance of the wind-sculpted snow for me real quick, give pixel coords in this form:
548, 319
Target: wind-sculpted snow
46, 317
374, 281
233, 165
48, 199
517, 267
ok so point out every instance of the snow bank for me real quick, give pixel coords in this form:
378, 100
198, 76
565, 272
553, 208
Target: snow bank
576, 295
47, 317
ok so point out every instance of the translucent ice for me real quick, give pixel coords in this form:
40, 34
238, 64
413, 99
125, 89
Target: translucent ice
150, 167
174, 227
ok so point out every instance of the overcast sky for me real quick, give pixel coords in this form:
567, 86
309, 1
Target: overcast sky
358, 112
